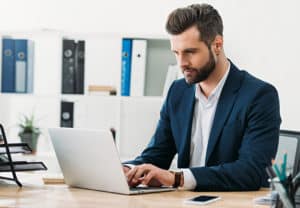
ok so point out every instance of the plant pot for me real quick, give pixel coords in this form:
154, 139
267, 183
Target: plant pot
31, 139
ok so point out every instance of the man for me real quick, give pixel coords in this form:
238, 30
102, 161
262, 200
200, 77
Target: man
223, 122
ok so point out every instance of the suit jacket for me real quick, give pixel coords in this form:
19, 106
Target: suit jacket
243, 139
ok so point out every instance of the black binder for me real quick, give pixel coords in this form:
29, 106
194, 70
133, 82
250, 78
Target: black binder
79, 67
68, 67
66, 114
8, 165
73, 66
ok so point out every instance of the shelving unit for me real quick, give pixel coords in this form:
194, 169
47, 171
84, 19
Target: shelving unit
102, 67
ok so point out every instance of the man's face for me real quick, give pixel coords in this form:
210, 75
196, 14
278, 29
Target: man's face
193, 56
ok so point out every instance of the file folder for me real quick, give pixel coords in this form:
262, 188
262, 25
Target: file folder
8, 65
79, 67
126, 67
68, 67
30, 60
138, 67
67, 114
73, 66
21, 65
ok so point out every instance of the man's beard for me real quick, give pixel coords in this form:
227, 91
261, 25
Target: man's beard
203, 72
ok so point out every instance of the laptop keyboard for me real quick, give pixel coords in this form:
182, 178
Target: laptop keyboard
147, 188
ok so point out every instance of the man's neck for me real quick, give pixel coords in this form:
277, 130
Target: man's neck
210, 84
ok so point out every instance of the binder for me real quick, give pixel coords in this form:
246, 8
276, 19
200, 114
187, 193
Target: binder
68, 67
126, 66
8, 65
138, 67
79, 67
20, 65
67, 114
73, 67
30, 60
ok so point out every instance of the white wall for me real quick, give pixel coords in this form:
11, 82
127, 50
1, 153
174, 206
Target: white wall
260, 36
138, 121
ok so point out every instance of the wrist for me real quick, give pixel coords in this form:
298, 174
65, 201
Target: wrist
178, 179
181, 179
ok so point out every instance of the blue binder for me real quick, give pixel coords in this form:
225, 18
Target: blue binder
126, 66
30, 59
8, 65
21, 65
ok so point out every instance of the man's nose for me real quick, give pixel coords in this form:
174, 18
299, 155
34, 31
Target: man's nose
182, 61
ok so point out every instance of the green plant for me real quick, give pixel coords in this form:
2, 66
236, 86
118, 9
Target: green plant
27, 125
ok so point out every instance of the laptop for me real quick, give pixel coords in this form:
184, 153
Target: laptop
89, 159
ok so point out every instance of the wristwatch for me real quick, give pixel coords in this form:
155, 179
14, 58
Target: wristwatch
177, 176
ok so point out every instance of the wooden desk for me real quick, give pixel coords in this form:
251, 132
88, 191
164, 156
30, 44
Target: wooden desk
35, 194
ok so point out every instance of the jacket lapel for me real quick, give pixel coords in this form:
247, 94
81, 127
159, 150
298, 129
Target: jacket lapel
224, 107
185, 120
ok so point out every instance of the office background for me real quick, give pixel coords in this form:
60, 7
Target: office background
260, 37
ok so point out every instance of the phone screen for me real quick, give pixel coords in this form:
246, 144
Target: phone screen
203, 198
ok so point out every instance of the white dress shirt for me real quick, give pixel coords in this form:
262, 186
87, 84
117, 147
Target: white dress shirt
204, 113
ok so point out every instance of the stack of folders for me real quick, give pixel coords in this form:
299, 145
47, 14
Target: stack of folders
133, 70
17, 66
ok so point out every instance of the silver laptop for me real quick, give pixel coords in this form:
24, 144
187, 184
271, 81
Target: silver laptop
89, 159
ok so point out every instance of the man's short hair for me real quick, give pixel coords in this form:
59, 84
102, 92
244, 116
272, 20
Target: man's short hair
204, 16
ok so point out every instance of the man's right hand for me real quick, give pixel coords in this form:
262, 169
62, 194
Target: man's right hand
149, 175
130, 172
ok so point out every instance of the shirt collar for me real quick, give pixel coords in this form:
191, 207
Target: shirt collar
218, 89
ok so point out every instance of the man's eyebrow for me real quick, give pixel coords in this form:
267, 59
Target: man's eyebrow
190, 49
186, 50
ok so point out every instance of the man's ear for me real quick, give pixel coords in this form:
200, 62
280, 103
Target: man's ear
218, 44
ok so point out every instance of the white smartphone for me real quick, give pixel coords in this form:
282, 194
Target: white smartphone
202, 199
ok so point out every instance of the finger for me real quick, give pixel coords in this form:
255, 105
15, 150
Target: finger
146, 180
126, 169
141, 171
131, 173
134, 183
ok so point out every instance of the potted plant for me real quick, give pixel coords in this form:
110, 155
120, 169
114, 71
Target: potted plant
29, 133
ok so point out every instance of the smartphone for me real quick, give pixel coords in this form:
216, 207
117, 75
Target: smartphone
202, 199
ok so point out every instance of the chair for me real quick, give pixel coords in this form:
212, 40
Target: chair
289, 142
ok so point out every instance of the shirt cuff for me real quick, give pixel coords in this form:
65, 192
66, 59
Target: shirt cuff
189, 179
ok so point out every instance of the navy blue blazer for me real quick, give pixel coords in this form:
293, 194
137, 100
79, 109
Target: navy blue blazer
243, 139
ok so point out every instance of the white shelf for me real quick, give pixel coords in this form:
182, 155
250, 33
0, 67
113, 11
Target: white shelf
102, 67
